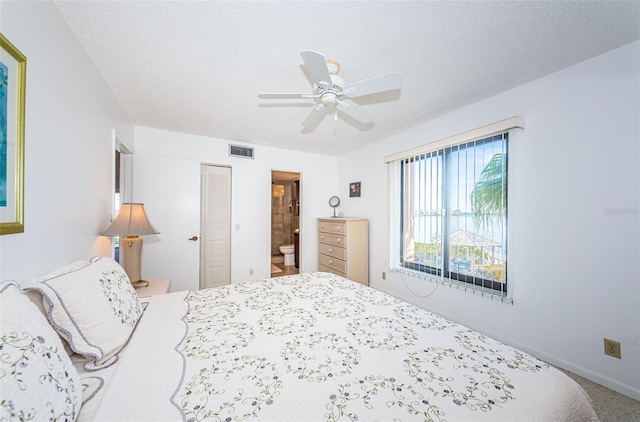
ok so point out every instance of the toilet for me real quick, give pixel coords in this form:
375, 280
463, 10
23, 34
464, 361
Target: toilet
288, 251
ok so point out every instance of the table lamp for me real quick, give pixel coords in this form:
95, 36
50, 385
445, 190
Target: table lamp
131, 222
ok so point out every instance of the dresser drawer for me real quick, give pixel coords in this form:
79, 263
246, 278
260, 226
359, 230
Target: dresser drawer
331, 227
326, 269
332, 250
343, 247
335, 263
331, 239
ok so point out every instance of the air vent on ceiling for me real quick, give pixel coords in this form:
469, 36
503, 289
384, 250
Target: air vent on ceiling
242, 152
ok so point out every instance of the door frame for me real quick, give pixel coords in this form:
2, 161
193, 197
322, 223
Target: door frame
302, 261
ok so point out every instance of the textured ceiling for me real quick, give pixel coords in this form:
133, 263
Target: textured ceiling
197, 66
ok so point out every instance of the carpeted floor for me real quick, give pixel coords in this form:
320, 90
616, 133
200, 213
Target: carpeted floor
609, 405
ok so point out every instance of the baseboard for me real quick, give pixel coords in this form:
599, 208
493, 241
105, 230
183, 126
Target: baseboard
611, 384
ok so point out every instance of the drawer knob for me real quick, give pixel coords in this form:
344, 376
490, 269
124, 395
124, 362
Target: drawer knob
339, 228
338, 240
330, 250
322, 237
330, 261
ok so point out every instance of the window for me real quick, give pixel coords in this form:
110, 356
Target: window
449, 209
116, 202
121, 184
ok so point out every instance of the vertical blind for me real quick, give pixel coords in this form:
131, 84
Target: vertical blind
449, 213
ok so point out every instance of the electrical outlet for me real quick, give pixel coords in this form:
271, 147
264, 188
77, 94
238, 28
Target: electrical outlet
250, 271
384, 275
612, 348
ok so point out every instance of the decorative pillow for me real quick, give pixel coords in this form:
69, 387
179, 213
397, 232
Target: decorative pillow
95, 308
36, 297
37, 379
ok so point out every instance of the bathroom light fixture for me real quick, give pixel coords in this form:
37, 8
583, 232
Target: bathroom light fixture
131, 222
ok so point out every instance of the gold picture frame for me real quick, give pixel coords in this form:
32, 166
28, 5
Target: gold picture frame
13, 78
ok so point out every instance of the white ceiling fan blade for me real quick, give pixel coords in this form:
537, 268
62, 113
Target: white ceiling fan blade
315, 116
276, 96
354, 110
317, 66
373, 85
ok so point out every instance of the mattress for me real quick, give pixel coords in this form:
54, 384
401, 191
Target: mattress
318, 347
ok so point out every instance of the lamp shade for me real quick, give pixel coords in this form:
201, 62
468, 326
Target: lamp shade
131, 221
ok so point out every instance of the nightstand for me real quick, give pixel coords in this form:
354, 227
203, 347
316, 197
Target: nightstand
157, 286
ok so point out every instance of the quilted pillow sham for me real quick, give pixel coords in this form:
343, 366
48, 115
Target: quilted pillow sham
95, 308
37, 379
36, 297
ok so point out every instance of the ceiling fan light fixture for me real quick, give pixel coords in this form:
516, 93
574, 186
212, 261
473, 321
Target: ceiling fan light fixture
328, 98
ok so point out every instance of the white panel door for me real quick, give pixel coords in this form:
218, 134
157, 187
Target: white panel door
170, 190
215, 226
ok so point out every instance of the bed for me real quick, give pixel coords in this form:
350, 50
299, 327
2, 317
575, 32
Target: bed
308, 347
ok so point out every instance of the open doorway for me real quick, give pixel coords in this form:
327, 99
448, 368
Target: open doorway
285, 223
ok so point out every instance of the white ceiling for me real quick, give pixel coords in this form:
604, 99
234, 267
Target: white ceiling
197, 66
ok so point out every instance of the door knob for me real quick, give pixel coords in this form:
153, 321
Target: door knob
194, 238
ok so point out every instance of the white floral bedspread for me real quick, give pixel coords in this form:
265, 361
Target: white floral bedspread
317, 347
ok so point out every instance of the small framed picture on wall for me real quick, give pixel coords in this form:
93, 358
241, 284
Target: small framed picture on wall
354, 189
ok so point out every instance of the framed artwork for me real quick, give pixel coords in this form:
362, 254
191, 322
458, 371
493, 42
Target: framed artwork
13, 69
354, 190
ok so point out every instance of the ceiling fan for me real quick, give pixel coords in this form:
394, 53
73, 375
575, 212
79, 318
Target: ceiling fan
329, 88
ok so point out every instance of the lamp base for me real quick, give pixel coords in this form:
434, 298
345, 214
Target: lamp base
131, 247
140, 283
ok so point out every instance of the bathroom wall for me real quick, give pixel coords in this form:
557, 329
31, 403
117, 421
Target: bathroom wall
284, 215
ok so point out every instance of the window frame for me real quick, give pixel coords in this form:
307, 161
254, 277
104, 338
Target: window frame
446, 199
396, 204
121, 185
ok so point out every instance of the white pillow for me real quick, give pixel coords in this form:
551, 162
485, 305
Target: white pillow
94, 307
36, 297
37, 379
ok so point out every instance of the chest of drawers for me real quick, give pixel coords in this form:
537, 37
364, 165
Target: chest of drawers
343, 248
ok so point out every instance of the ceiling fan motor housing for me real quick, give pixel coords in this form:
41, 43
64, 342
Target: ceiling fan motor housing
337, 85
329, 95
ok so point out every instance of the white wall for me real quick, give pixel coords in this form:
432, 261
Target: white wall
70, 118
574, 262
166, 180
